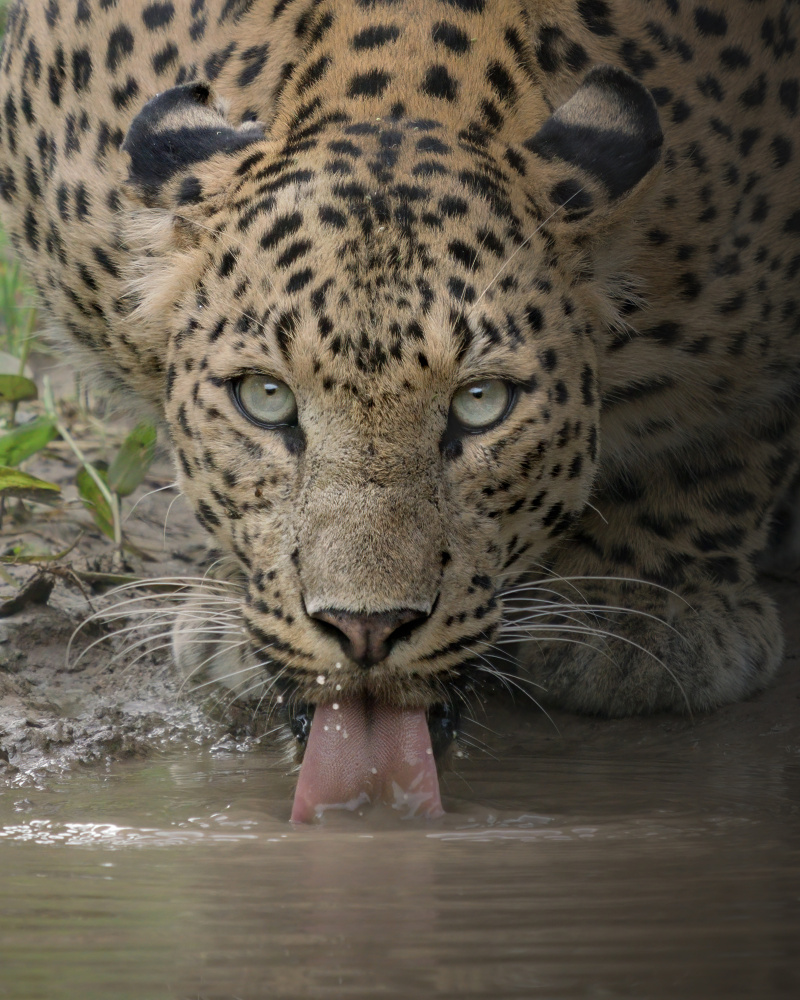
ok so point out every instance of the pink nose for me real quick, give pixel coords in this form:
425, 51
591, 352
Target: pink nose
367, 639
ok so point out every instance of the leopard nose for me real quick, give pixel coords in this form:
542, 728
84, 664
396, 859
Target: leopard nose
368, 639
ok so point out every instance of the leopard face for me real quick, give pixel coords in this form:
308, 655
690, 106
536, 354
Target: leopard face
383, 400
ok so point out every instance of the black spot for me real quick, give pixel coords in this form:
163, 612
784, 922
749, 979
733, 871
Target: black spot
190, 191
587, 385
710, 22
690, 285
121, 97
468, 6
451, 37
571, 195
754, 95
748, 139
158, 15
464, 254
499, 79
430, 144
681, 110
781, 150
789, 95
81, 69
31, 230
293, 253
82, 202
284, 226
206, 515
56, 74
253, 61
637, 59
370, 84
453, 208
167, 57
52, 13
722, 569
332, 217
215, 63
227, 264
439, 84
375, 36
299, 280
313, 74
734, 58
664, 333
596, 14
120, 46
461, 291
792, 224
548, 359
536, 321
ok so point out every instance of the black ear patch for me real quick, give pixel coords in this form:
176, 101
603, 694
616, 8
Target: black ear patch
176, 129
609, 129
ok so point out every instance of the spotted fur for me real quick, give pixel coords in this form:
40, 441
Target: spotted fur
379, 201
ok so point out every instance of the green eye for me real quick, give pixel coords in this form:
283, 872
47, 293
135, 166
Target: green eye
481, 404
265, 400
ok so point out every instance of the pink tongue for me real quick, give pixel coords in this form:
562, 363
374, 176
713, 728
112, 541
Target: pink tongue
360, 753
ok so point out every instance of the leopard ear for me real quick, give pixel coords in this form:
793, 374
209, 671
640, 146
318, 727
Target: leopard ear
177, 135
601, 146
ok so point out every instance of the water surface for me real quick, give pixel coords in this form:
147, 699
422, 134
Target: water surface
648, 858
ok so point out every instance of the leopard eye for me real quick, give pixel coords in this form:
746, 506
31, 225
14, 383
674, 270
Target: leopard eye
481, 404
265, 400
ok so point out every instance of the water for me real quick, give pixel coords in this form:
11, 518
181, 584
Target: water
641, 859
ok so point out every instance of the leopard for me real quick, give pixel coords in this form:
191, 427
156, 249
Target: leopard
473, 325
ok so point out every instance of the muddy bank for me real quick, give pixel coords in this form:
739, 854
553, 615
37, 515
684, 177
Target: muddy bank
72, 692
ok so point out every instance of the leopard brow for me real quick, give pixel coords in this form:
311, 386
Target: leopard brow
524, 243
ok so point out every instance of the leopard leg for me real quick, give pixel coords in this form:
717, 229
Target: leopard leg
696, 631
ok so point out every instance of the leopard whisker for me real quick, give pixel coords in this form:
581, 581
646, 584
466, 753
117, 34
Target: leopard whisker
513, 683
159, 489
524, 243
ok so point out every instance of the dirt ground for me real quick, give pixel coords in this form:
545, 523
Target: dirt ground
107, 697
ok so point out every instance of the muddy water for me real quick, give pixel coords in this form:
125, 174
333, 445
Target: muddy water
650, 858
